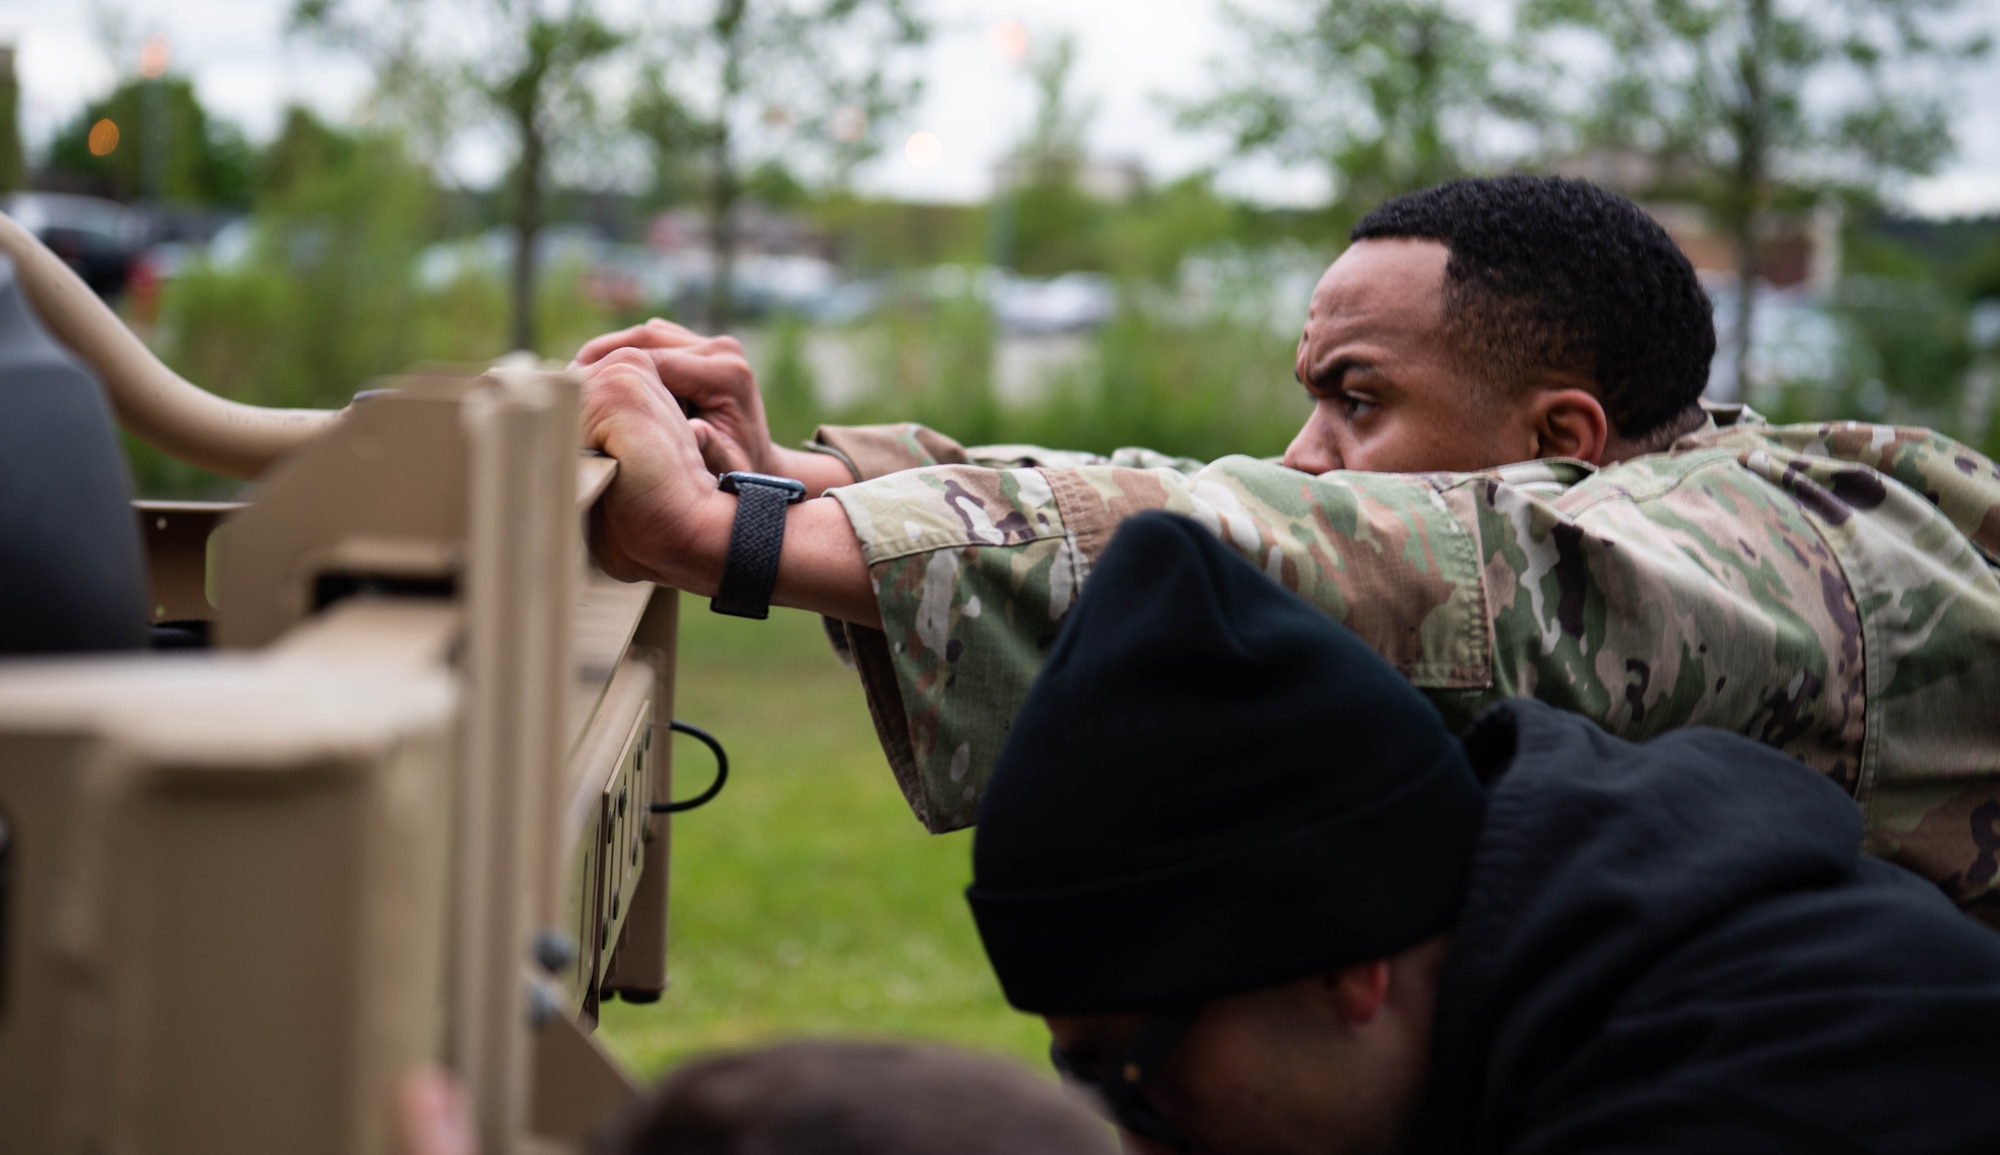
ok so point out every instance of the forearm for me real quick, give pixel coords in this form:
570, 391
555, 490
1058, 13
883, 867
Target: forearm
820, 567
975, 568
819, 471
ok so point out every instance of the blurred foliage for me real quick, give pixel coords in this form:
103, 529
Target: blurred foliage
200, 159
325, 299
1151, 235
1739, 98
875, 235
526, 65
932, 362
1903, 310
758, 98
674, 136
542, 95
1194, 383
13, 158
786, 376
1147, 236
1912, 348
1203, 387
307, 151
1745, 105
1387, 95
1042, 221
1979, 277
1048, 225
729, 87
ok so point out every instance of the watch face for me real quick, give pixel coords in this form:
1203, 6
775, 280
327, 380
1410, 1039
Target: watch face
734, 480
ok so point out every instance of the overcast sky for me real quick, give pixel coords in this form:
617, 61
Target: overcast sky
976, 102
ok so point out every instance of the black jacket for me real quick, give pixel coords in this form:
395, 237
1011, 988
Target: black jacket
1680, 947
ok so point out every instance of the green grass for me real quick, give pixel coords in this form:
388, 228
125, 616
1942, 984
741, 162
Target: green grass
806, 900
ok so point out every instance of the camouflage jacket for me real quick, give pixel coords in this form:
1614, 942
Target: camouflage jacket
1828, 589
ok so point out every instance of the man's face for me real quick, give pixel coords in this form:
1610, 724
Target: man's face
1272, 1072
1388, 394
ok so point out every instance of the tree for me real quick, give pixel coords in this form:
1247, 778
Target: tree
1755, 98
13, 161
1045, 220
322, 299
307, 152
537, 93
1389, 95
524, 63
162, 145
737, 85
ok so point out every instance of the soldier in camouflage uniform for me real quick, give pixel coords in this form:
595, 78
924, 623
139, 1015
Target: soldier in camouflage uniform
1507, 488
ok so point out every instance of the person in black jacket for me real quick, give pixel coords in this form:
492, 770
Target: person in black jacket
1268, 905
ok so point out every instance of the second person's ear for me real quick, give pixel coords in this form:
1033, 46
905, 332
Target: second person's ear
1357, 991
1570, 422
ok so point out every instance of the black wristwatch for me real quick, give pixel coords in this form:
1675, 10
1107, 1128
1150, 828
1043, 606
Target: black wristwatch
751, 568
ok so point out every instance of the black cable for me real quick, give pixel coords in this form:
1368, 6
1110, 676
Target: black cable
721, 767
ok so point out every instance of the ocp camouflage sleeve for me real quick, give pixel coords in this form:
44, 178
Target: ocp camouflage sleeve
1828, 590
1914, 519
873, 451
974, 569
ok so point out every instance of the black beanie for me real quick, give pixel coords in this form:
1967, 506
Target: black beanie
1212, 787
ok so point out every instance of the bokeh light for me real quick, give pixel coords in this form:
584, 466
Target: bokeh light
103, 138
154, 58
848, 124
1010, 40
923, 149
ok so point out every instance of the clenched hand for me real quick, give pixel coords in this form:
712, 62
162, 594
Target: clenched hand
664, 519
710, 376
664, 502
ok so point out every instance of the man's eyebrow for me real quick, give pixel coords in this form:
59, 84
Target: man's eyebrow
1333, 377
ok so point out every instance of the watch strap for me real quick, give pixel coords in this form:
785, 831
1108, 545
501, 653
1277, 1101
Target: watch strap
750, 569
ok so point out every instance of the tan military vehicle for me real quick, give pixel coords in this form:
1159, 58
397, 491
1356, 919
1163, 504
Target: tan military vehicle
408, 809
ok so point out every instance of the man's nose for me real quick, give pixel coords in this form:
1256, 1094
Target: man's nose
1311, 451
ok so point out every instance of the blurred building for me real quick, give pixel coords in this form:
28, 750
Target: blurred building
1795, 251
760, 231
780, 260
1798, 251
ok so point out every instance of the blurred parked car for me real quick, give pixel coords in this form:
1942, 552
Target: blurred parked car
98, 238
1070, 303
1795, 341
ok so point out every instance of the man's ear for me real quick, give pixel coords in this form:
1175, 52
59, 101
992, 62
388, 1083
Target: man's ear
1357, 992
1569, 422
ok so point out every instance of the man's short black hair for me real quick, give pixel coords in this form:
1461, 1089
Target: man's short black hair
1548, 273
